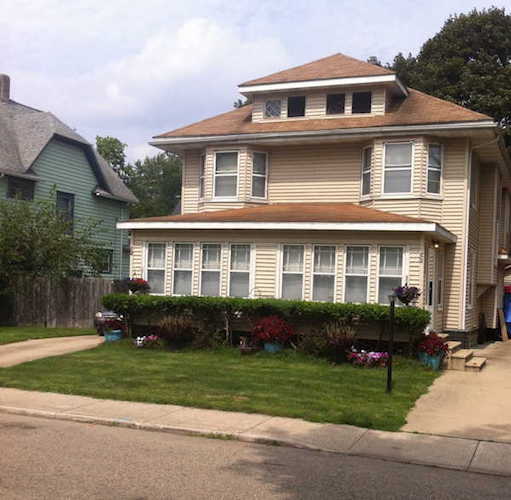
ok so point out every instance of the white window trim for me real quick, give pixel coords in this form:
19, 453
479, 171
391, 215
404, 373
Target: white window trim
314, 273
227, 198
174, 268
280, 267
368, 246
219, 270
411, 168
202, 176
251, 268
265, 197
146, 264
281, 109
404, 272
441, 169
363, 171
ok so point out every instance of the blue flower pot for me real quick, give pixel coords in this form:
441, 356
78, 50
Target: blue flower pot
113, 335
272, 347
433, 362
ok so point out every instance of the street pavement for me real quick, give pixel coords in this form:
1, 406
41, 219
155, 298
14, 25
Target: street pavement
52, 459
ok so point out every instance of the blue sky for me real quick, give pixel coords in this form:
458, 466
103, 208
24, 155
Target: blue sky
136, 69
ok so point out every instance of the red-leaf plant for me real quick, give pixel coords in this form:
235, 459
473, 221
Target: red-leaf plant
273, 329
433, 345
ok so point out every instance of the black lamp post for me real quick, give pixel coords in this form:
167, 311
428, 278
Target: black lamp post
392, 300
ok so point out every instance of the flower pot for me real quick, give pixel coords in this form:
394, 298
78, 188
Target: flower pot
272, 347
113, 335
434, 362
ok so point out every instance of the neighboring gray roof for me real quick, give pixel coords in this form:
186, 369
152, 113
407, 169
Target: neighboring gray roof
24, 133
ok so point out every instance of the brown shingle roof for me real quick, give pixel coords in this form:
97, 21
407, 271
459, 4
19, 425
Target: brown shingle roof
290, 212
416, 109
336, 66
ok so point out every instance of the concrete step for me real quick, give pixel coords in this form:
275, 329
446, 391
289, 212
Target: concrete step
459, 358
453, 346
444, 336
475, 364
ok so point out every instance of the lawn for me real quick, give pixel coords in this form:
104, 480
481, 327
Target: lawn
10, 334
285, 384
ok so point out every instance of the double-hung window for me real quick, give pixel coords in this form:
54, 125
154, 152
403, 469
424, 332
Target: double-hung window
239, 272
202, 175
292, 272
183, 265
434, 168
323, 282
210, 271
391, 272
367, 160
66, 208
259, 174
357, 267
156, 267
106, 256
226, 174
398, 167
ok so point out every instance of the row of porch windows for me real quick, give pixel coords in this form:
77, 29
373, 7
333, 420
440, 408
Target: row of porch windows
292, 269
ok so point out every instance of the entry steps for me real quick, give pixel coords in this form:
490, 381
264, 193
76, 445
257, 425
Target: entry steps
461, 359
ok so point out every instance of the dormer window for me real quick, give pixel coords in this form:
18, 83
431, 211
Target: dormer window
296, 106
272, 108
335, 104
361, 102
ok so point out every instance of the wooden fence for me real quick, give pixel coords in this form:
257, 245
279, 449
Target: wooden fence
70, 302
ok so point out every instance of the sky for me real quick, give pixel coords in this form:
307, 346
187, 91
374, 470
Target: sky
134, 69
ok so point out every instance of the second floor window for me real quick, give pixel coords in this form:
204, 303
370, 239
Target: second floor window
272, 108
296, 106
226, 174
361, 102
367, 160
259, 174
434, 168
66, 207
202, 175
20, 189
398, 168
335, 104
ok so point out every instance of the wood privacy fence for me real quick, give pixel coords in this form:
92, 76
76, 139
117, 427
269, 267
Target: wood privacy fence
70, 302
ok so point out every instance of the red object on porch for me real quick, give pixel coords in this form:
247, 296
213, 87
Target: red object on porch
507, 289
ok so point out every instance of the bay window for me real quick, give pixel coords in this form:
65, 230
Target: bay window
323, 282
434, 168
390, 273
292, 272
259, 174
155, 267
239, 272
367, 160
398, 167
210, 270
357, 266
226, 174
183, 263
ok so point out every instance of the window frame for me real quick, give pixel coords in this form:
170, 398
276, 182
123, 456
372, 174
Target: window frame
227, 198
359, 245
370, 106
280, 268
110, 253
441, 170
365, 171
411, 168
304, 106
11, 188
265, 197
72, 198
164, 269
314, 273
326, 104
251, 268
174, 268
219, 270
265, 116
403, 270
202, 176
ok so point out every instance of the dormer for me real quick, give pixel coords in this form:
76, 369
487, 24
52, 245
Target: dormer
334, 87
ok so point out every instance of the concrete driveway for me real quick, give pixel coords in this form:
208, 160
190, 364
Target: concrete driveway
470, 405
28, 350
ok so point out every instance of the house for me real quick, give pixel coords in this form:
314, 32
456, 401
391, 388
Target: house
337, 183
42, 157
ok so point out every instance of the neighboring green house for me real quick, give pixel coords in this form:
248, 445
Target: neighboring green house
40, 156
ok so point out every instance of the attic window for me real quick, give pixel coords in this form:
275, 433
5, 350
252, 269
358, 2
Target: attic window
361, 102
335, 104
296, 106
20, 189
272, 108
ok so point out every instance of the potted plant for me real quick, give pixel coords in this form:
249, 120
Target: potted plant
407, 294
431, 350
274, 332
138, 285
114, 329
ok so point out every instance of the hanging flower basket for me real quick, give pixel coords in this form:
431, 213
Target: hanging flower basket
407, 294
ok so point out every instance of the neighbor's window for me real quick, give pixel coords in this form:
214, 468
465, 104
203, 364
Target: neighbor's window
391, 272
210, 272
323, 282
335, 104
367, 160
106, 260
202, 175
361, 102
20, 189
398, 167
226, 174
66, 207
357, 267
272, 108
434, 168
183, 265
296, 106
156, 267
259, 174
292, 272
239, 273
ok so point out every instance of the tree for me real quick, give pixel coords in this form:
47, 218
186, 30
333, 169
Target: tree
374, 60
239, 103
113, 151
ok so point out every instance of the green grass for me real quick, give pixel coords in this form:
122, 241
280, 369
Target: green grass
10, 334
285, 384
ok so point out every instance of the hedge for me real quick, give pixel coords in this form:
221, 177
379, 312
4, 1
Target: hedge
411, 319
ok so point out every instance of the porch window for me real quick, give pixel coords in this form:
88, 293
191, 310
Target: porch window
296, 106
391, 272
202, 175
156, 267
210, 271
361, 102
226, 174
272, 108
398, 167
434, 168
357, 266
323, 282
367, 160
259, 174
292, 272
239, 273
183, 265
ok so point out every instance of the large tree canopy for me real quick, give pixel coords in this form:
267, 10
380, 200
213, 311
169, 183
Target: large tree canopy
114, 152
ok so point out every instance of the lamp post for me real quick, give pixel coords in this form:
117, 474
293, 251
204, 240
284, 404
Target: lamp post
392, 300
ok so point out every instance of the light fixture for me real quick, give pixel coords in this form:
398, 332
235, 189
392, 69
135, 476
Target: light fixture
436, 245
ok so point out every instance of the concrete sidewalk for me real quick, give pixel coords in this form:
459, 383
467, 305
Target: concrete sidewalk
29, 350
447, 452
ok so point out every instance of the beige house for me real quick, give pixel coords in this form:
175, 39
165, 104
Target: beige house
337, 183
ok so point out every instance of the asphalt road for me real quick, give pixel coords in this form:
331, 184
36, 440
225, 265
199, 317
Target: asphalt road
50, 459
